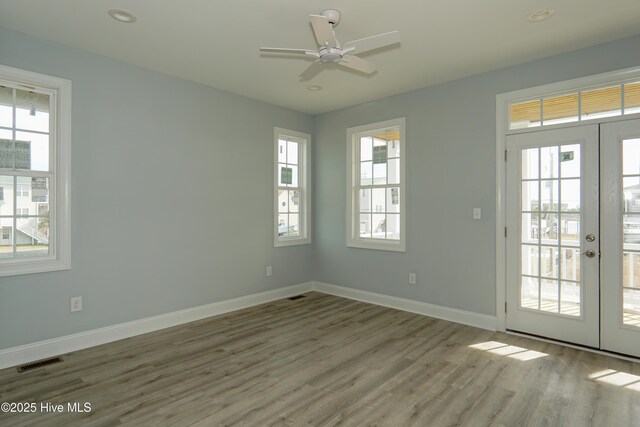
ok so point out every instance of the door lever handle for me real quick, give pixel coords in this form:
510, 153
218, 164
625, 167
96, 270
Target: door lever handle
589, 253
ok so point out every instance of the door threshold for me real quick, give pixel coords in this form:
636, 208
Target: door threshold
576, 346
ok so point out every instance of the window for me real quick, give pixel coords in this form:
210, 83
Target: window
576, 106
292, 201
376, 188
35, 141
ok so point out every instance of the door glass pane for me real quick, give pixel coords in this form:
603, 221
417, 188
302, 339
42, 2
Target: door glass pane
631, 307
549, 295
549, 164
530, 163
550, 239
570, 161
631, 232
530, 199
570, 299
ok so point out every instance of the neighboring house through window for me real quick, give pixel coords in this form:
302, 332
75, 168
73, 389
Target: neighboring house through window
376, 186
35, 135
291, 199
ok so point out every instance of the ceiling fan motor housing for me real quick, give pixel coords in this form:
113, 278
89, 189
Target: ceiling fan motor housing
333, 15
330, 54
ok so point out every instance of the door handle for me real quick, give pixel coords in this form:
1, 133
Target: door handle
589, 253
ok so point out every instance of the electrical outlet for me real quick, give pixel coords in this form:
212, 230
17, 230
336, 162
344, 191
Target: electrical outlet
269, 271
477, 213
412, 278
76, 304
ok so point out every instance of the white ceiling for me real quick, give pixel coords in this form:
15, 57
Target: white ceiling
216, 42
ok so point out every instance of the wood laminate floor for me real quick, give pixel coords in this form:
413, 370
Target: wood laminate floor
324, 360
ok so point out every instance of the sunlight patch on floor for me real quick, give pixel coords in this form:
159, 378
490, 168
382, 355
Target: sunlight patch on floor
512, 351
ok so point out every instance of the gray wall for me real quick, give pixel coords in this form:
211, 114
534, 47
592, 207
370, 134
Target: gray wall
450, 137
171, 198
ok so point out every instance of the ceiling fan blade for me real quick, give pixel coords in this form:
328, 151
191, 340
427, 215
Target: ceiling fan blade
311, 71
358, 64
286, 50
373, 42
323, 31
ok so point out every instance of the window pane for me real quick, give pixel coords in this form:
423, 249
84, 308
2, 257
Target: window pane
282, 151
549, 229
549, 162
365, 200
288, 176
631, 270
570, 161
33, 195
631, 307
529, 292
631, 228
570, 263
570, 229
631, 156
366, 173
393, 149
570, 299
32, 112
632, 98
6, 238
524, 115
549, 295
549, 199
294, 201
283, 225
530, 260
393, 199
530, 199
605, 102
560, 109
378, 199
549, 262
631, 194
530, 164
6, 107
292, 152
380, 173
33, 153
379, 226
294, 225
530, 228
393, 226
283, 201
570, 190
365, 225
394, 171
366, 150
32, 237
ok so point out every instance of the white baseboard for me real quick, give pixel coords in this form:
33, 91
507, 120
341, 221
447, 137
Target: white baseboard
39, 350
27, 353
483, 321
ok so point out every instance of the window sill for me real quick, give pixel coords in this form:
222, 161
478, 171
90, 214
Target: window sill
15, 268
291, 242
378, 245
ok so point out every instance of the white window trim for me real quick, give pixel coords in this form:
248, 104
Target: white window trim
502, 130
60, 251
305, 184
353, 220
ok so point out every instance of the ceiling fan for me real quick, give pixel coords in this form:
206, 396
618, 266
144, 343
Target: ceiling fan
331, 51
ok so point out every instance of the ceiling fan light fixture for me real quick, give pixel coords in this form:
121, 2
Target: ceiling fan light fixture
540, 15
123, 15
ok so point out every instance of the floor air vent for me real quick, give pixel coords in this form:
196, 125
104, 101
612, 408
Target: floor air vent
39, 363
297, 297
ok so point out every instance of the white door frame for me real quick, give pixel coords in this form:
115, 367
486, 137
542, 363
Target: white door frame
502, 130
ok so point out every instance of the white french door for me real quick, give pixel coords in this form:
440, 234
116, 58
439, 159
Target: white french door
573, 235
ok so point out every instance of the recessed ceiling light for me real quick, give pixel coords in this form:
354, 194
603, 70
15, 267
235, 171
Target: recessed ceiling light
541, 15
314, 88
123, 15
